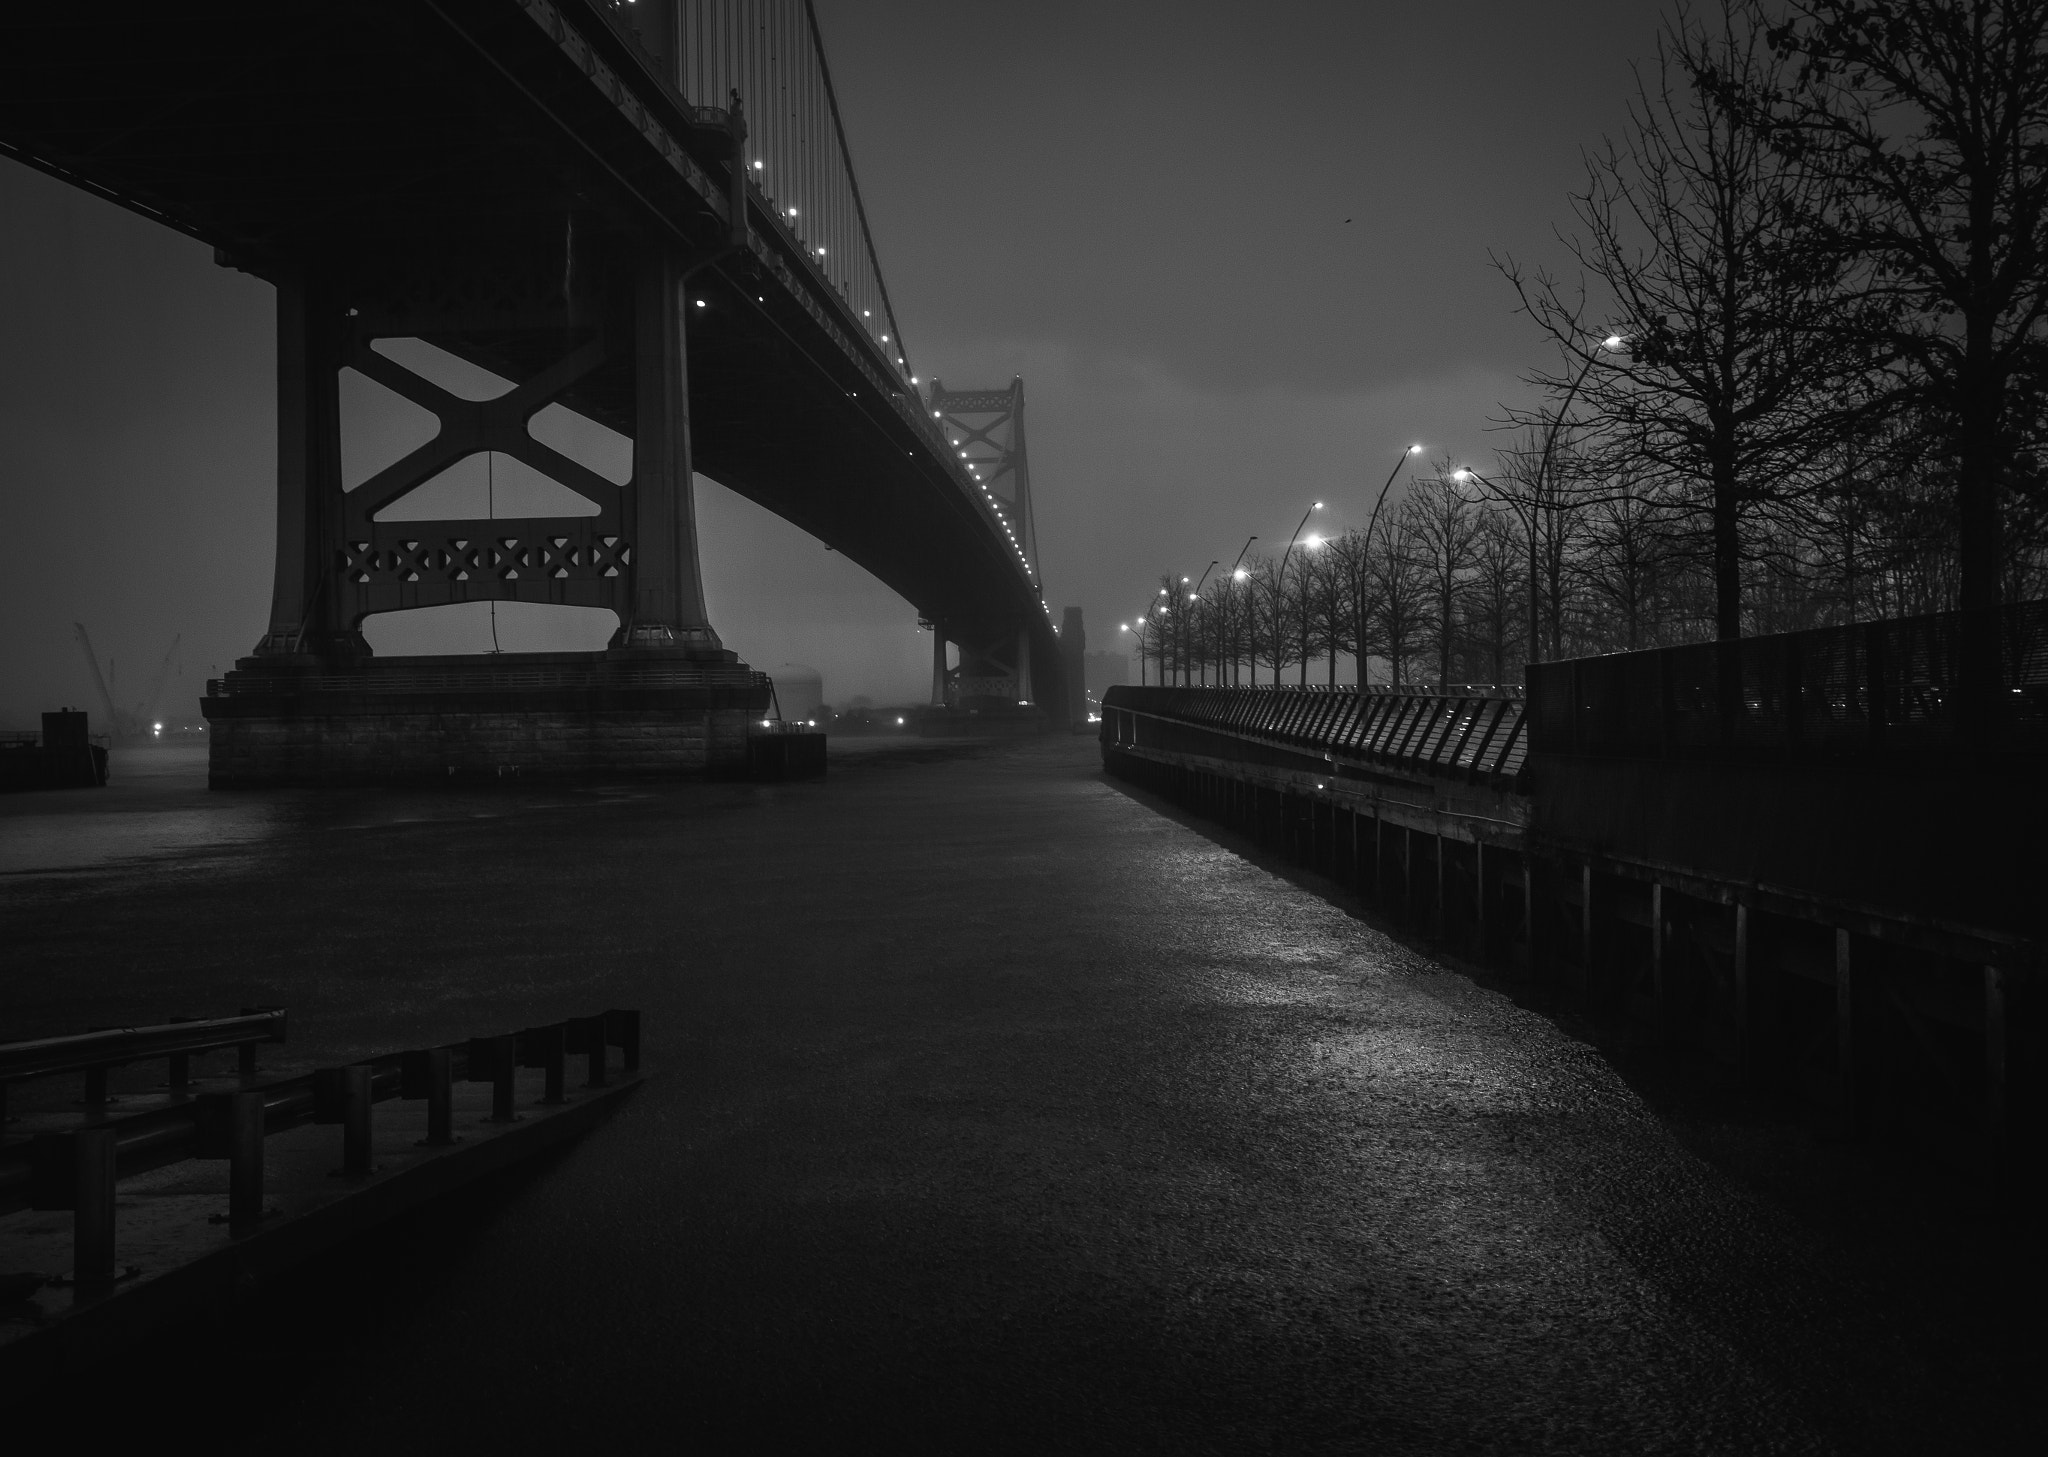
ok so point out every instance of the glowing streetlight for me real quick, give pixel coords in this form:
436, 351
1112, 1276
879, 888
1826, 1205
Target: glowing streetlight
1373, 520
1314, 507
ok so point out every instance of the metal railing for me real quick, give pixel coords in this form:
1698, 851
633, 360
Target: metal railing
1871, 689
77, 1168
1479, 737
98, 1052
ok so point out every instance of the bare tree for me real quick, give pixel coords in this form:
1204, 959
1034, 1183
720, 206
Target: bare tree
1712, 347
1934, 117
1443, 523
1269, 584
1624, 558
1400, 594
1495, 596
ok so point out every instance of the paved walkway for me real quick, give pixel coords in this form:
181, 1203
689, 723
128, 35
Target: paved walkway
998, 1108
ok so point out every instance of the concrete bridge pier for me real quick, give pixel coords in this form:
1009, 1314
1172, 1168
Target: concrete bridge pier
992, 691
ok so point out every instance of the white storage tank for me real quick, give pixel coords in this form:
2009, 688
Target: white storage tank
799, 691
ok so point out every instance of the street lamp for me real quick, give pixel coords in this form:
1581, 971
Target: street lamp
1238, 574
1381, 499
1193, 597
1137, 630
1371, 522
1281, 586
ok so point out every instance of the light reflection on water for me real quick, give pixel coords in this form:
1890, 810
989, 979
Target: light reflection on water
156, 806
155, 803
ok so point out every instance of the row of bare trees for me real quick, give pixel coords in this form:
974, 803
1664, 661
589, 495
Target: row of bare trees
1804, 333
1801, 373
1441, 590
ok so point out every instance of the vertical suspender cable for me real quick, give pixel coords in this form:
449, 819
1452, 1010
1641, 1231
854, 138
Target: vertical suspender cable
897, 346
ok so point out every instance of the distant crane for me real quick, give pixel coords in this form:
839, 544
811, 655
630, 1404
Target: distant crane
92, 661
142, 722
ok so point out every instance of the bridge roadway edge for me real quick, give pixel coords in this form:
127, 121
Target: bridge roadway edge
1850, 1003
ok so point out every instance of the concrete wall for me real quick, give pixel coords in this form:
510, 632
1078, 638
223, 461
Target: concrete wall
364, 747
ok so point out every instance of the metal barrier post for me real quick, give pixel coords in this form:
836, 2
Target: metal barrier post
504, 1071
622, 1030
245, 1156
495, 1060
426, 1074
546, 1049
355, 1119
342, 1095
440, 1099
92, 1219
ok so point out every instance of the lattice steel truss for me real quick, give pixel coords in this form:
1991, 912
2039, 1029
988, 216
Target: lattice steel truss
986, 430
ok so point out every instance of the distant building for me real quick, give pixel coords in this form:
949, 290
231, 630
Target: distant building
1106, 670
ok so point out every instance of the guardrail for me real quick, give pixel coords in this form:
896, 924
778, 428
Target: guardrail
1477, 737
77, 1169
98, 1052
1885, 689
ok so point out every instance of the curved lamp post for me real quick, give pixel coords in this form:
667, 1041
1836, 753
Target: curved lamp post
1281, 586
1237, 574
1194, 597
1381, 499
1371, 522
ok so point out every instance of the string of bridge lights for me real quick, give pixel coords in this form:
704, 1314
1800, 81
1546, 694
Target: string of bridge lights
790, 215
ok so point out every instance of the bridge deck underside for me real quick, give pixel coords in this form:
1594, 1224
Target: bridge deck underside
431, 158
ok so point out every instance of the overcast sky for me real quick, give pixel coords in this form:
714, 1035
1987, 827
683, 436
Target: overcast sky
1239, 254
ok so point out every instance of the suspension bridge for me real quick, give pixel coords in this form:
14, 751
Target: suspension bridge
644, 213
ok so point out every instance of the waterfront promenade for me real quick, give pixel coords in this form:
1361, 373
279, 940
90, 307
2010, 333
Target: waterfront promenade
997, 1107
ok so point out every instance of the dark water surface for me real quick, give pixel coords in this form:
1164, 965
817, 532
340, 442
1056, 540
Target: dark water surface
996, 1108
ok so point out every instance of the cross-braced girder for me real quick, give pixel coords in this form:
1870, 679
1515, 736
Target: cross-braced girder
985, 429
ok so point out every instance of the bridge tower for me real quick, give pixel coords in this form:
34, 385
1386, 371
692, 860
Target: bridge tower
577, 312
985, 429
